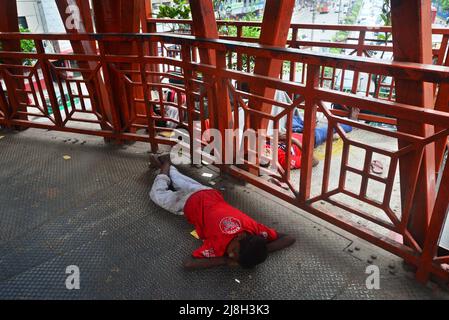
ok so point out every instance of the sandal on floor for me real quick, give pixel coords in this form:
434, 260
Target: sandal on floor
377, 167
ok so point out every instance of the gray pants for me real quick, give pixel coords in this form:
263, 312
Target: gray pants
174, 201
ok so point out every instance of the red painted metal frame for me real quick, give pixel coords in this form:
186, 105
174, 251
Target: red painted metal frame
360, 45
274, 32
85, 117
414, 44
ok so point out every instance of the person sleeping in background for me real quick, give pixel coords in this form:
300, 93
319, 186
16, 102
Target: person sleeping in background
320, 132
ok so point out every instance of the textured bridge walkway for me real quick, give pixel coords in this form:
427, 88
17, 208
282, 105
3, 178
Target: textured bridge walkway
92, 210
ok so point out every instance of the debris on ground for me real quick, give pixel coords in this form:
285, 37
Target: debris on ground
66, 157
167, 134
195, 234
377, 167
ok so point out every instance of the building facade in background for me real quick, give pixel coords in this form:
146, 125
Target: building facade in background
42, 16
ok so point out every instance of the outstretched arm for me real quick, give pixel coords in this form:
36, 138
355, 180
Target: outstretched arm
193, 264
283, 241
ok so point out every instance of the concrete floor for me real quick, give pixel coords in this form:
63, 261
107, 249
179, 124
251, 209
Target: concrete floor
93, 211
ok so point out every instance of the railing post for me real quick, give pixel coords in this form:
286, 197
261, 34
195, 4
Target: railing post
442, 103
239, 55
360, 45
186, 53
146, 94
294, 45
223, 104
308, 143
113, 109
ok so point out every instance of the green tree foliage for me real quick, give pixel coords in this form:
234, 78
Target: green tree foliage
351, 18
444, 4
386, 19
25, 46
180, 9
247, 32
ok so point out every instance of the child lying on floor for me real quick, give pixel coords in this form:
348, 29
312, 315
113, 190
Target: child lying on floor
229, 236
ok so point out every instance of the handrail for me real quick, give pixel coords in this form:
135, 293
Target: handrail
399, 70
314, 26
358, 44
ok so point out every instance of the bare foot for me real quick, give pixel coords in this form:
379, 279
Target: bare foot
354, 114
164, 158
165, 168
154, 162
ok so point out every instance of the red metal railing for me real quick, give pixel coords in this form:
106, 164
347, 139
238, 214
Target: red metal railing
360, 41
70, 99
360, 38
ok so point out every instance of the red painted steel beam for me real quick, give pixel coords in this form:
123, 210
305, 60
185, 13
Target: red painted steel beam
149, 27
10, 23
274, 32
413, 43
85, 24
147, 14
120, 16
205, 26
89, 48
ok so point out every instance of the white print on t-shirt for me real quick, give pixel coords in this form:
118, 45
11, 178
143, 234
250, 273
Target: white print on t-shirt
264, 234
230, 225
210, 253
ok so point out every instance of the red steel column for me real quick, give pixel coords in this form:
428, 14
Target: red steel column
87, 47
119, 16
205, 26
10, 23
412, 41
274, 32
146, 13
437, 221
149, 27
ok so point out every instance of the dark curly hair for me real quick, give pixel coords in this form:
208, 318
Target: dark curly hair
253, 251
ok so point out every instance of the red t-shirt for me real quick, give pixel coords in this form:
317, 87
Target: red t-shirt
295, 151
217, 223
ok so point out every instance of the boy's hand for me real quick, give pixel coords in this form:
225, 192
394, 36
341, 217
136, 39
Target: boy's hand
194, 264
283, 241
